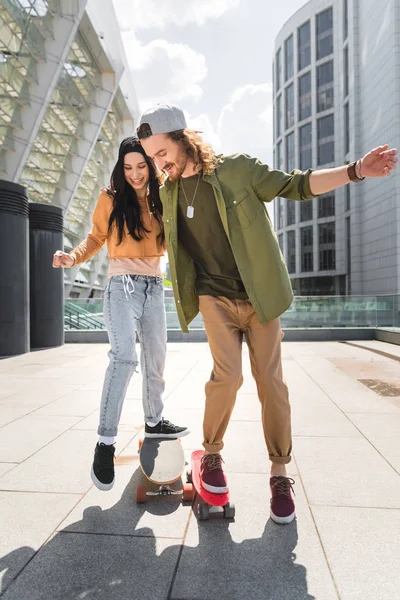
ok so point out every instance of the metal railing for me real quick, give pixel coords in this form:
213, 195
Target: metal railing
304, 313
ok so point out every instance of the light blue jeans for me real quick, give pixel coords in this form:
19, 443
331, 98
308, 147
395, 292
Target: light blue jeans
133, 304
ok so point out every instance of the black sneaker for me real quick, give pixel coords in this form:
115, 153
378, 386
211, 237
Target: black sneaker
103, 467
165, 429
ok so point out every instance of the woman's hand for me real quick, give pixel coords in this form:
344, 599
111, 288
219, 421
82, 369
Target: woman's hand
62, 259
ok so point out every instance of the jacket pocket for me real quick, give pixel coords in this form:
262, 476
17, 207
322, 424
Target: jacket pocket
246, 208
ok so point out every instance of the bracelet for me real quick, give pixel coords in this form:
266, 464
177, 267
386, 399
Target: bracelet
352, 172
74, 259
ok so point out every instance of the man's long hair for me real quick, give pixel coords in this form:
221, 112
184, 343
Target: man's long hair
199, 151
126, 207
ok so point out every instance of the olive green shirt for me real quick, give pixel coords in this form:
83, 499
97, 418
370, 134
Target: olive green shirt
241, 184
206, 242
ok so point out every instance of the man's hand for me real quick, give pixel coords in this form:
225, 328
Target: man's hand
61, 259
379, 162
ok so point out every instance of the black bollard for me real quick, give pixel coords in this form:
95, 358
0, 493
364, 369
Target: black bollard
46, 226
14, 269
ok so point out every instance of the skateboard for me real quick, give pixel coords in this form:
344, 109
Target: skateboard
162, 462
210, 500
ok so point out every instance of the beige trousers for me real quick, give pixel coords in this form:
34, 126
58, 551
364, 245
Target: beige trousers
226, 322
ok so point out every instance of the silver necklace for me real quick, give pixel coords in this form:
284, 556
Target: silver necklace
190, 208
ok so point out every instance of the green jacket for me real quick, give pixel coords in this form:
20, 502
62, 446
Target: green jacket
241, 185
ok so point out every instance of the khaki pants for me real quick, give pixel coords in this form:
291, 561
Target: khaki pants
226, 321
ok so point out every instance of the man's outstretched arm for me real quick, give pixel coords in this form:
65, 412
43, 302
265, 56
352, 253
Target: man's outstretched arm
379, 162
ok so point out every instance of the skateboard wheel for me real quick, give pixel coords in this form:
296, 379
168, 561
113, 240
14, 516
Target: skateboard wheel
140, 444
203, 512
229, 511
141, 495
188, 492
189, 476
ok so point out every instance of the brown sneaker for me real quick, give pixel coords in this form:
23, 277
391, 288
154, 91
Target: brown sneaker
212, 476
282, 504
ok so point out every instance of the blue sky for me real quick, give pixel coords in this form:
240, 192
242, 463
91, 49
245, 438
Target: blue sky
211, 57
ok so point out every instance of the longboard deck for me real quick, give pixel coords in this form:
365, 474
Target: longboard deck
162, 460
209, 497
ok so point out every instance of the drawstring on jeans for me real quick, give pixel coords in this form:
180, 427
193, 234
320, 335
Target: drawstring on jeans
129, 288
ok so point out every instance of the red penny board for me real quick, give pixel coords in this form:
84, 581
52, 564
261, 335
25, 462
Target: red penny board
209, 497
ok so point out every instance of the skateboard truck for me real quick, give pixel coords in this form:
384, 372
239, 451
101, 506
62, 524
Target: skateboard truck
164, 490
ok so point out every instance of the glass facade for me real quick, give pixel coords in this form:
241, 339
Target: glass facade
325, 86
291, 251
324, 30
346, 128
327, 256
306, 249
289, 106
326, 205
306, 210
290, 153
278, 70
279, 116
305, 137
304, 45
326, 140
304, 88
290, 212
62, 125
346, 71
289, 66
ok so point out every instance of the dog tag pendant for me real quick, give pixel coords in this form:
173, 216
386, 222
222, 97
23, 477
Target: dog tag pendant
190, 212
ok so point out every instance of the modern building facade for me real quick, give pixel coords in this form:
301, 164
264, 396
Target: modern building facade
336, 96
67, 101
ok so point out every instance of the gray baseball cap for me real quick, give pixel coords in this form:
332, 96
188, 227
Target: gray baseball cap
162, 118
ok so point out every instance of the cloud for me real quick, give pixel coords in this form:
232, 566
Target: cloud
145, 14
202, 123
245, 123
164, 72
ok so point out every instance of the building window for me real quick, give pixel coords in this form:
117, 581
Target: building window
306, 210
348, 197
279, 157
291, 251
289, 58
278, 70
305, 96
345, 19
327, 258
326, 205
280, 240
346, 128
346, 71
305, 134
325, 86
289, 104
324, 33
279, 116
326, 144
304, 45
280, 213
290, 158
290, 212
306, 249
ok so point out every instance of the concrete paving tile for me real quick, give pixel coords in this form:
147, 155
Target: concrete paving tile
313, 412
346, 472
363, 549
62, 466
252, 557
75, 403
346, 392
24, 437
383, 431
131, 417
394, 461
5, 467
99, 567
116, 512
26, 521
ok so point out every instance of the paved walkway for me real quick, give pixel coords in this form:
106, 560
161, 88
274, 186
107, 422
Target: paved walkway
61, 538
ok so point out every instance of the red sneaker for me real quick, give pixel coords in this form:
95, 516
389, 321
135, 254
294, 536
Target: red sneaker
282, 504
212, 475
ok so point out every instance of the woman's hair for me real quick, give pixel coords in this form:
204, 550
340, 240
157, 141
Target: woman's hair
199, 151
126, 206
